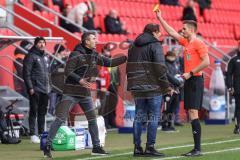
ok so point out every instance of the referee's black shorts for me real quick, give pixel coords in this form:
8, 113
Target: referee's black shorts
193, 92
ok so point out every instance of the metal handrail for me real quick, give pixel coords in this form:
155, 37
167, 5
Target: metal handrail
45, 19
30, 38
29, 22
13, 74
216, 49
63, 17
16, 30
214, 56
7, 56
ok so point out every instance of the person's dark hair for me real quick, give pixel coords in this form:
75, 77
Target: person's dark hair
191, 23
170, 53
25, 45
37, 39
151, 27
59, 48
85, 37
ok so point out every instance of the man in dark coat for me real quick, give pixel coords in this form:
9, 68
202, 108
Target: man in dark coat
36, 78
113, 24
80, 71
147, 81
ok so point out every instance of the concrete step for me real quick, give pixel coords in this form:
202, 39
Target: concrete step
13, 98
3, 88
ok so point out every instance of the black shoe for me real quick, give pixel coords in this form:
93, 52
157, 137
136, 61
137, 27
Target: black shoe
193, 153
138, 151
151, 151
236, 130
98, 150
169, 129
178, 124
47, 151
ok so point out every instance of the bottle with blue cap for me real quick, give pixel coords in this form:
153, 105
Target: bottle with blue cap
217, 93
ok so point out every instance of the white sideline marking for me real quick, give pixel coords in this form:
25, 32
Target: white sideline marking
162, 149
211, 152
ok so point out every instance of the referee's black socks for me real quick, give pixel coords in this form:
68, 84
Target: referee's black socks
196, 130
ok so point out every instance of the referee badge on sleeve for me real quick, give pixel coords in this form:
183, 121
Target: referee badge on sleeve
188, 57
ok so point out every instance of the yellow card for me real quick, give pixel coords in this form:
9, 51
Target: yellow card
156, 8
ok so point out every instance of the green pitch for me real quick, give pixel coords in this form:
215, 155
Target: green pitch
219, 143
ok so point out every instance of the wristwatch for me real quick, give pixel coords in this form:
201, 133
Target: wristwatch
191, 73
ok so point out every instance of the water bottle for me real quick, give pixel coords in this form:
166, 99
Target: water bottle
217, 93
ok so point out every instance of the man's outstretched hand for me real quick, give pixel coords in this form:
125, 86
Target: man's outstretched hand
85, 83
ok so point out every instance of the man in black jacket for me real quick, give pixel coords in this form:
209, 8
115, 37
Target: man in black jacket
147, 81
233, 85
36, 78
80, 71
173, 75
113, 24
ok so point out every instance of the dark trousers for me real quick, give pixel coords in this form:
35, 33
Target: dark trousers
168, 114
62, 110
38, 109
109, 107
237, 108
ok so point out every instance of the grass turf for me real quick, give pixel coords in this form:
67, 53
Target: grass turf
118, 144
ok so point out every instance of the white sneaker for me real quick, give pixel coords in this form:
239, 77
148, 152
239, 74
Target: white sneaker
35, 139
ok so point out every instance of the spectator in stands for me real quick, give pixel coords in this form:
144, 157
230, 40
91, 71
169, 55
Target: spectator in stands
59, 3
36, 77
147, 81
76, 14
80, 72
88, 22
65, 24
189, 11
20, 2
113, 24
19, 56
233, 85
170, 2
203, 4
176, 82
38, 7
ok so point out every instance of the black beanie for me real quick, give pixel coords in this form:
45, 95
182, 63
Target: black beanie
37, 39
59, 48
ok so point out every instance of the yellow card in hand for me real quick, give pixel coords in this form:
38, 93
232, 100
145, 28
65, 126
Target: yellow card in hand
156, 8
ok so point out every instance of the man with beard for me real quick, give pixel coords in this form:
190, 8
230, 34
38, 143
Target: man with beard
36, 78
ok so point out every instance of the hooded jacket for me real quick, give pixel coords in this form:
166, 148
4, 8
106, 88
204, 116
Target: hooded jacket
146, 70
36, 71
82, 63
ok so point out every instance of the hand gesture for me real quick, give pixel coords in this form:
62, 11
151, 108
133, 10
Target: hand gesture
186, 76
85, 83
31, 92
231, 91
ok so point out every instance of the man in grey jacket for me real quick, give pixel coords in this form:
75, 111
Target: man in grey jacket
36, 78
